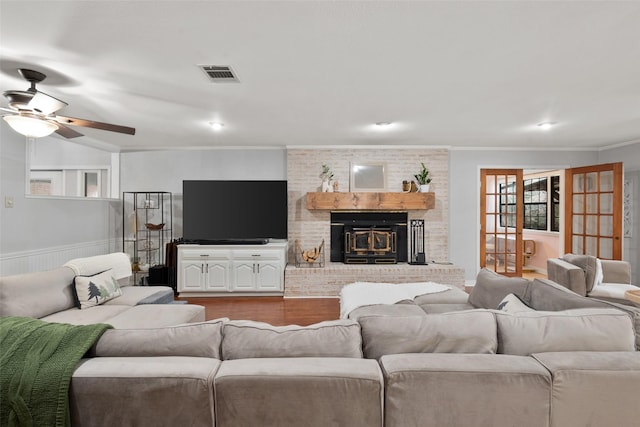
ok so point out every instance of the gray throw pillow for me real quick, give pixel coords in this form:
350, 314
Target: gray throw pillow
248, 339
491, 288
472, 331
586, 329
190, 339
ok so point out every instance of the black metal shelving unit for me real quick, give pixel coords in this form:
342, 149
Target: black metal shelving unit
142, 236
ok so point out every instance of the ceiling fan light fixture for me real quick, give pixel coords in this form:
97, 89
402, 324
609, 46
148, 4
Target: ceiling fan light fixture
546, 125
30, 126
383, 125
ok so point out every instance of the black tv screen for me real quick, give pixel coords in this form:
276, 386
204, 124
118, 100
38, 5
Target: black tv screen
234, 211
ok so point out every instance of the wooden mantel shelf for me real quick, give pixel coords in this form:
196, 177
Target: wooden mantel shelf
371, 201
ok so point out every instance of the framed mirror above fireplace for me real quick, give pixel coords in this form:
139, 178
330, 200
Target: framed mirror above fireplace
365, 176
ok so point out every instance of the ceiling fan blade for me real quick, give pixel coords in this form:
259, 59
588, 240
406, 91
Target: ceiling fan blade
45, 104
67, 132
96, 125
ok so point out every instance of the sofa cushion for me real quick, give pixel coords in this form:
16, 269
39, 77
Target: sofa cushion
134, 295
97, 314
156, 315
457, 332
634, 312
546, 295
491, 288
439, 390
445, 308
97, 289
305, 391
568, 275
192, 339
588, 264
450, 296
615, 271
118, 262
404, 308
248, 339
593, 388
37, 294
590, 329
143, 391
512, 304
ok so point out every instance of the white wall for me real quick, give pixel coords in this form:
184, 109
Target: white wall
630, 156
36, 224
165, 170
464, 190
33, 225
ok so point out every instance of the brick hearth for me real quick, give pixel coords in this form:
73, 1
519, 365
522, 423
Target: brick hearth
329, 280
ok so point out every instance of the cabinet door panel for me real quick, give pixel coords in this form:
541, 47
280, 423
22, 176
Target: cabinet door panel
268, 277
217, 276
192, 276
244, 276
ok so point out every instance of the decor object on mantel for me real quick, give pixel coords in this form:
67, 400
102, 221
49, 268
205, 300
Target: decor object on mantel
423, 178
370, 201
311, 258
409, 187
326, 176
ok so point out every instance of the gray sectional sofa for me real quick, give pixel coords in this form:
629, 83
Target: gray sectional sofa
589, 276
548, 358
49, 295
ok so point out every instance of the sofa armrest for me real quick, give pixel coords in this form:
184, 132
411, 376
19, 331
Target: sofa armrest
568, 275
614, 271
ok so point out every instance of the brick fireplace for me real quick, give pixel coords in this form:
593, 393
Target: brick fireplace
310, 227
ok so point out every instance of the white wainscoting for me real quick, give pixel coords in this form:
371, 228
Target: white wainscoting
53, 257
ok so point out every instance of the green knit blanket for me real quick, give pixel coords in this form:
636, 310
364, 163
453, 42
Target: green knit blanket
37, 360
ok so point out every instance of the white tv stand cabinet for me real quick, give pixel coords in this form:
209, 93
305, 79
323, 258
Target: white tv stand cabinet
210, 270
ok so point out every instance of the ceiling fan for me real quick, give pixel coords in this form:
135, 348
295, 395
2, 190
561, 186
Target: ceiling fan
33, 113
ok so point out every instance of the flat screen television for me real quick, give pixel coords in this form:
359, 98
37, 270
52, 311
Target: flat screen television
219, 212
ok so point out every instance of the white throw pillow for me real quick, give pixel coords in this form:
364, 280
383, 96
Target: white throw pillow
97, 289
599, 276
512, 304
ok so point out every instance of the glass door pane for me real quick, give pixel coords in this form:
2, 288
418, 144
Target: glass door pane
594, 217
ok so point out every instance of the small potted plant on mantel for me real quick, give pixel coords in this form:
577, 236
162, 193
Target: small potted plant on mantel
423, 179
326, 176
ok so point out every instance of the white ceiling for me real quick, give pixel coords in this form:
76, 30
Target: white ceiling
318, 73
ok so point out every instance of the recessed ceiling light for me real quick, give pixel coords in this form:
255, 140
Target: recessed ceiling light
546, 125
383, 124
216, 125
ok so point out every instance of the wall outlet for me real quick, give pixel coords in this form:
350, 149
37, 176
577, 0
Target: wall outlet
8, 202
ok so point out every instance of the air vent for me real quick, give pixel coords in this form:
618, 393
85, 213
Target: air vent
219, 73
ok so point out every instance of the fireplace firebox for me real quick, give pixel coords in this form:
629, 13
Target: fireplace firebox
369, 237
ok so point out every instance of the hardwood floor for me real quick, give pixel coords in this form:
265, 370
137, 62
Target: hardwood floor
277, 311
